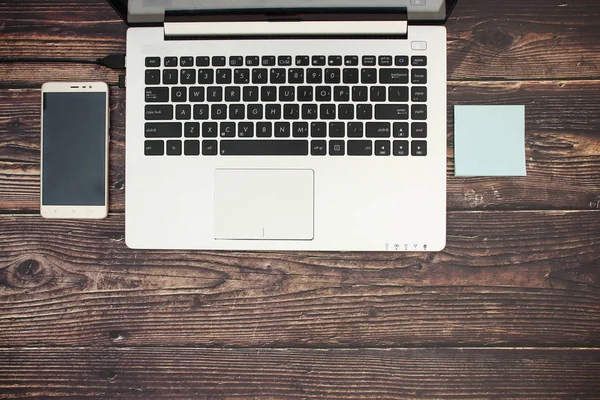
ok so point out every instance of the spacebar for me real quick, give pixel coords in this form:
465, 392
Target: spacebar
264, 148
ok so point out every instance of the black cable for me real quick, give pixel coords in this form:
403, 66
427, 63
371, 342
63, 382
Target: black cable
113, 61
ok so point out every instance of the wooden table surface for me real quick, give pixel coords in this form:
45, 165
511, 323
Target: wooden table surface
510, 309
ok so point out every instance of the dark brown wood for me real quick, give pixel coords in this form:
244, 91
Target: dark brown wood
505, 278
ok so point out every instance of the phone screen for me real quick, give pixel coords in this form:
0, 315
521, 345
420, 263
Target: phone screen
73, 148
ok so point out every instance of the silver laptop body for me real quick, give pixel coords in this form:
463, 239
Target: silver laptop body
300, 131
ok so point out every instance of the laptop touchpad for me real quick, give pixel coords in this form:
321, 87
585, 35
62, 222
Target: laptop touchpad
263, 204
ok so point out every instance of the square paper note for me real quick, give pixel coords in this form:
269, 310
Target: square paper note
489, 140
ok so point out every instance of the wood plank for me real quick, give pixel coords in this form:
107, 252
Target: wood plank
562, 142
300, 373
505, 278
487, 39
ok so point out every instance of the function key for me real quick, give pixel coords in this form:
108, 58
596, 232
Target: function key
318, 60
351, 60
186, 61
385, 61
170, 61
218, 61
252, 61
334, 60
419, 61
268, 60
152, 61
401, 61
202, 61
236, 61
284, 60
302, 60
369, 60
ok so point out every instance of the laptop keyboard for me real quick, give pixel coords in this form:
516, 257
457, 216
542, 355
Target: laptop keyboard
287, 105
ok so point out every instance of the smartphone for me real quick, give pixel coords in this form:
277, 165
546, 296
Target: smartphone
74, 155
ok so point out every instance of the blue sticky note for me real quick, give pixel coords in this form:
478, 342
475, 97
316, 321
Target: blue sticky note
489, 141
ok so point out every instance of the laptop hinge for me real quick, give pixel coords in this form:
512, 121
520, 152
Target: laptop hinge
353, 23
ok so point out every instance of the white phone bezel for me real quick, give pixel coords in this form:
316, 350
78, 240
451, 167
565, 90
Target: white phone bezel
54, 211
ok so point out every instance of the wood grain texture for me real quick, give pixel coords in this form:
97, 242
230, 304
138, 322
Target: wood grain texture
296, 373
505, 278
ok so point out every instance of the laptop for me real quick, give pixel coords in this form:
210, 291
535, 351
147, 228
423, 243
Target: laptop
314, 125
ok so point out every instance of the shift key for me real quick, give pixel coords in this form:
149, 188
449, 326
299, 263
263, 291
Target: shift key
163, 129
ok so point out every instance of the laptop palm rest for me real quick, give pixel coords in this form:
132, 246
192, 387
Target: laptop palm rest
264, 204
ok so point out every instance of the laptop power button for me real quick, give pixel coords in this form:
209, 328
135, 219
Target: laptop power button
419, 45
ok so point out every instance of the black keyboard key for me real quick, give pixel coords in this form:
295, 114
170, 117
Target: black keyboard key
323, 93
200, 111
236, 61
327, 111
277, 75
205, 76
355, 129
419, 130
351, 60
334, 60
350, 75
162, 129
186, 61
255, 111
305, 93
218, 111
233, 94
336, 147
209, 130
260, 75
291, 111
378, 93
287, 93
318, 60
282, 129
170, 61
418, 76
379, 130
227, 129
400, 129
196, 94
154, 147
273, 111
382, 147
219, 61
158, 112
332, 75
250, 93
268, 93
318, 129
368, 75
393, 75
337, 129
191, 129
369, 60
401, 61
398, 93
419, 61
318, 148
300, 129
153, 62
341, 93
183, 111
156, 94
418, 148
296, 75
364, 111
252, 61
237, 111
419, 94
359, 93
241, 75
346, 111
214, 94
391, 111
284, 61
419, 112
152, 77
191, 147
268, 61
202, 61
385, 61
245, 129
314, 75
309, 111
223, 76
302, 61
400, 148
170, 76
178, 94
257, 147
173, 147
264, 129
209, 148
360, 147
